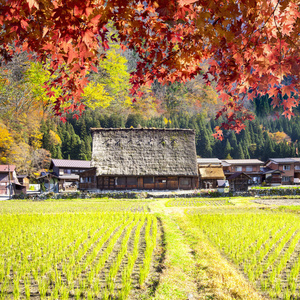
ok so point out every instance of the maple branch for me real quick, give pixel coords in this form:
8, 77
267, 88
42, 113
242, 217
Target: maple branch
260, 29
279, 42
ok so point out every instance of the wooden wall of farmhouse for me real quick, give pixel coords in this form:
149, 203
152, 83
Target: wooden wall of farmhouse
139, 183
88, 180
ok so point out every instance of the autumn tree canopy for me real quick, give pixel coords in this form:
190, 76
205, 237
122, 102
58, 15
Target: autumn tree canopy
252, 46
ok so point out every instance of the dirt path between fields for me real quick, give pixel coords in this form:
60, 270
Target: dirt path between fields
285, 202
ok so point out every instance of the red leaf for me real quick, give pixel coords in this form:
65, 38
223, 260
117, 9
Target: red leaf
219, 134
94, 68
50, 94
288, 90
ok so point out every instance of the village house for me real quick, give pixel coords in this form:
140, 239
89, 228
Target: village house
66, 171
296, 170
210, 171
141, 158
271, 177
9, 184
289, 169
250, 167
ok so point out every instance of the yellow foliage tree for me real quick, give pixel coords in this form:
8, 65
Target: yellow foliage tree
6, 141
54, 138
21, 156
279, 136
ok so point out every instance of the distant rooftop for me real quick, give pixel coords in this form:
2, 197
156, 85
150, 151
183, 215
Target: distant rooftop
69, 163
141, 129
207, 161
242, 162
282, 160
267, 170
5, 168
237, 174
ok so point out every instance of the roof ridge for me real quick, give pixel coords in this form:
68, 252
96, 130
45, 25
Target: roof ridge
141, 129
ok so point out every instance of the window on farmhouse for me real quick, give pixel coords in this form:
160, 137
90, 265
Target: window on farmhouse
161, 180
148, 179
185, 182
285, 178
238, 169
249, 168
121, 180
131, 181
286, 167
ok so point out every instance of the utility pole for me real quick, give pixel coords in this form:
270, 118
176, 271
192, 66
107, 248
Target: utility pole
9, 181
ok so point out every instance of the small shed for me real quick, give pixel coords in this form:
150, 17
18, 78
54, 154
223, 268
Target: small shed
239, 182
209, 175
24, 181
49, 182
19, 189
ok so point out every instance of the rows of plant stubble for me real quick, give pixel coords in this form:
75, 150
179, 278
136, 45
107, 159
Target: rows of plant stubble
78, 255
71, 205
185, 202
266, 247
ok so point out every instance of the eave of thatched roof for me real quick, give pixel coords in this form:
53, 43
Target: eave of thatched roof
211, 172
144, 152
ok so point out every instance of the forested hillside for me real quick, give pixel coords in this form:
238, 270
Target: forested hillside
262, 138
30, 135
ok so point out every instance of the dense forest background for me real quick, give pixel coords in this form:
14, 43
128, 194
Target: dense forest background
30, 135
263, 138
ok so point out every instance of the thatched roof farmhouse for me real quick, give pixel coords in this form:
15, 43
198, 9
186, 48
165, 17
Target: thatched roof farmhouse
140, 158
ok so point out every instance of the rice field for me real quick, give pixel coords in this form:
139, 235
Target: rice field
186, 202
264, 246
77, 205
62, 255
148, 249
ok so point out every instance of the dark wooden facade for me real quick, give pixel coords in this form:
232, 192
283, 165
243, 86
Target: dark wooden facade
239, 182
89, 181
24, 181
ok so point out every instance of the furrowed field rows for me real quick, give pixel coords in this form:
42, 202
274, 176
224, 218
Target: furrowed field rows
185, 202
85, 205
77, 255
266, 248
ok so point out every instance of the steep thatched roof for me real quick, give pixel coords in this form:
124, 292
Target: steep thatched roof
144, 152
211, 172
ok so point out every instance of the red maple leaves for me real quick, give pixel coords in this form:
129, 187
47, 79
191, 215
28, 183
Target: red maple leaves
252, 45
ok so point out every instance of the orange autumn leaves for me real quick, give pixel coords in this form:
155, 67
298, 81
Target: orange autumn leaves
252, 46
